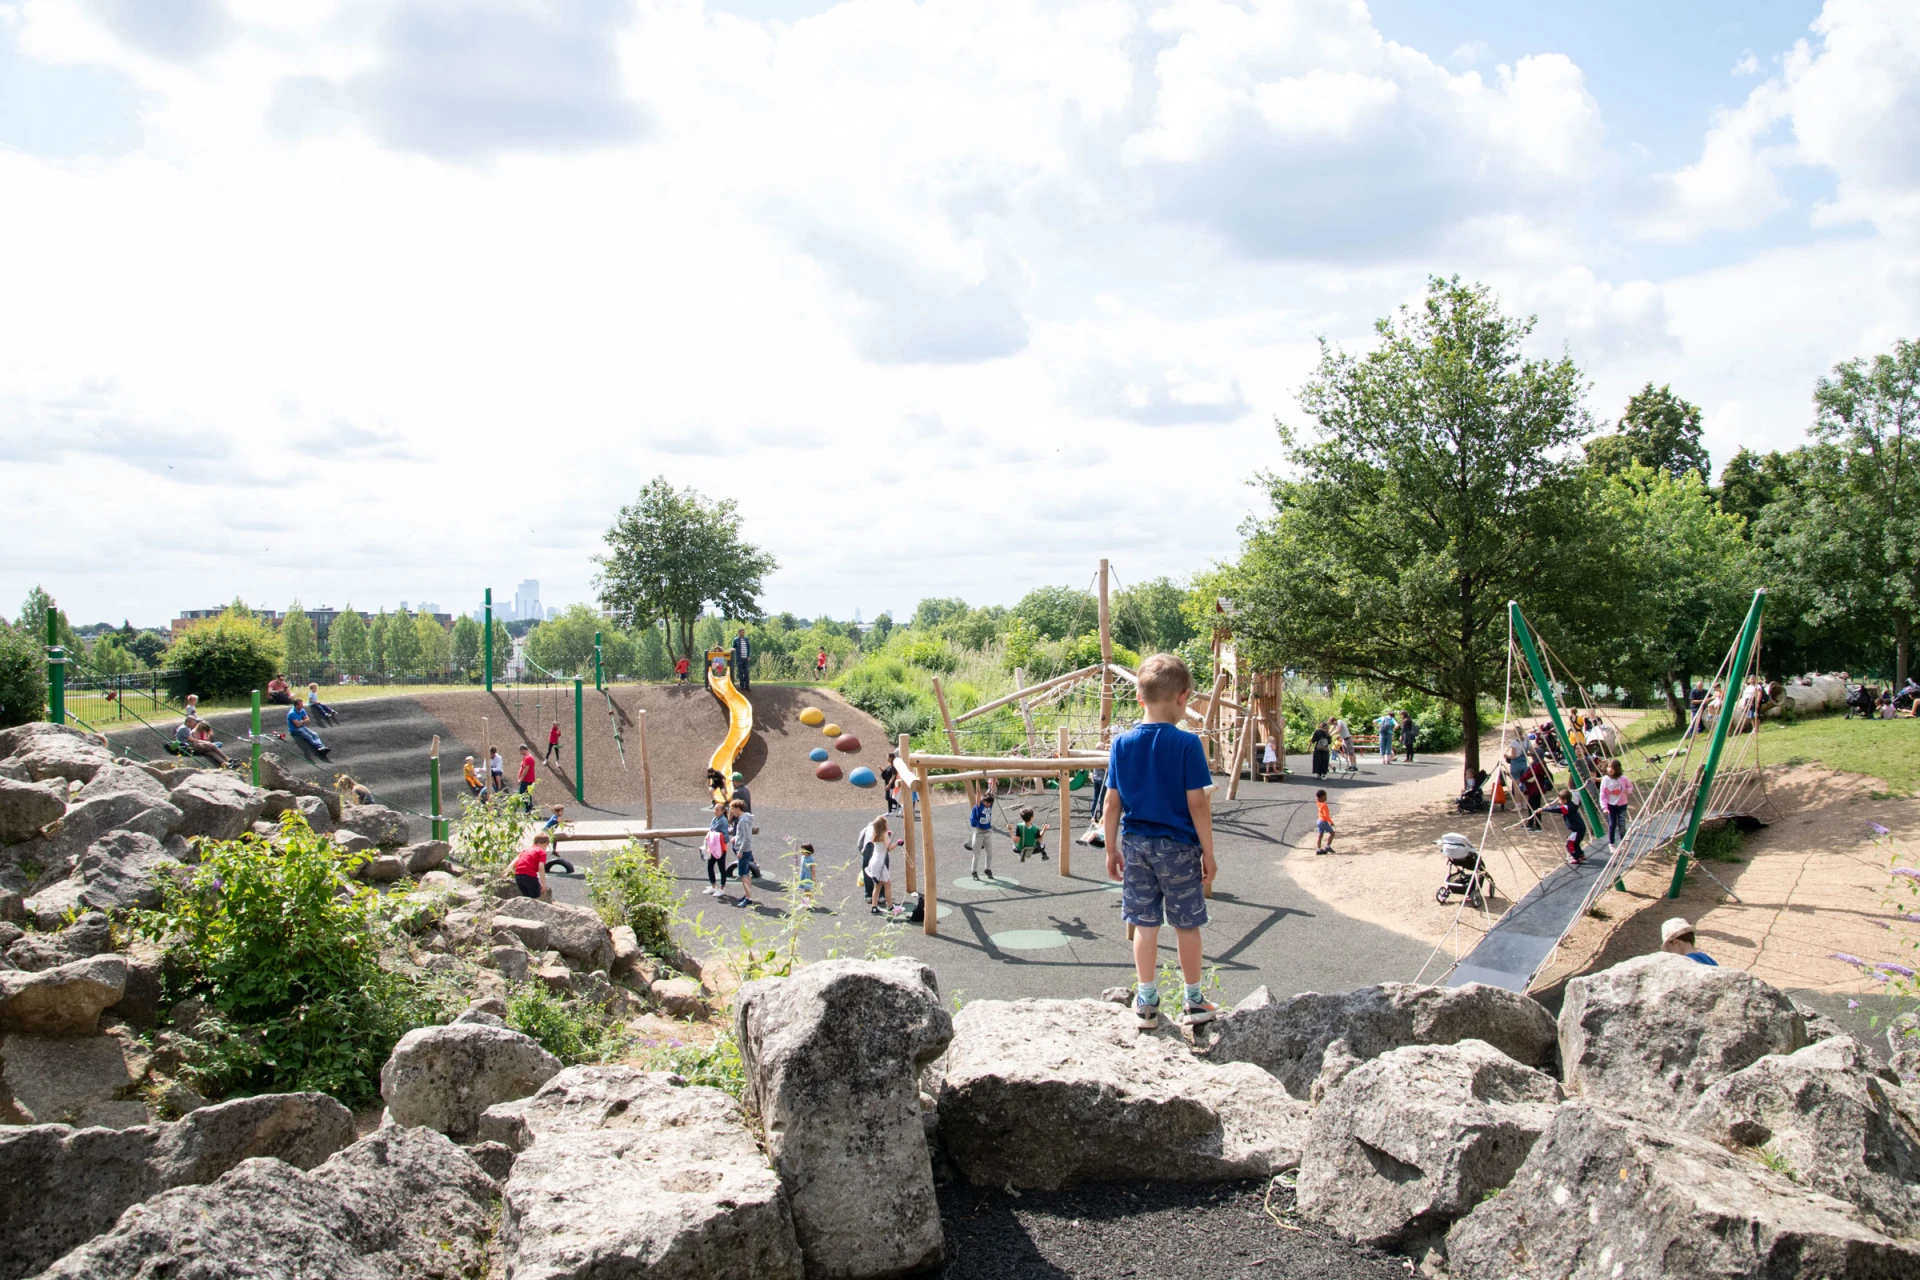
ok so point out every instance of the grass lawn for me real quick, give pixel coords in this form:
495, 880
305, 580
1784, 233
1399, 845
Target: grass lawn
1884, 749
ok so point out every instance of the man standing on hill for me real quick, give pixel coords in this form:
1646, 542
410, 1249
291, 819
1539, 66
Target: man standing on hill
742, 659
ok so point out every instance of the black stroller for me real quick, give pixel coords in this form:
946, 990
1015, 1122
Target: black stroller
1473, 798
1465, 874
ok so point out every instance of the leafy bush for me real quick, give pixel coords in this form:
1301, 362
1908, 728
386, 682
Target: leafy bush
488, 833
570, 1031
628, 887
715, 1065
226, 656
23, 677
929, 654
283, 946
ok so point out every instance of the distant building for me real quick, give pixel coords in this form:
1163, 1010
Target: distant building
433, 609
552, 613
526, 600
188, 617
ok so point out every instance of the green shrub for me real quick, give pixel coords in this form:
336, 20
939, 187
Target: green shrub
23, 677
226, 656
628, 887
715, 1065
488, 833
929, 654
570, 1031
284, 946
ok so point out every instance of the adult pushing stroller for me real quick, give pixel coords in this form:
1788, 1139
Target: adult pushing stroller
1465, 874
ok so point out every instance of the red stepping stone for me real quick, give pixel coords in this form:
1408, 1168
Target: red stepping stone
846, 742
828, 772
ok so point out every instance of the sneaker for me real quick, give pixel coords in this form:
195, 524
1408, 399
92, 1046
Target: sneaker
874, 910
1318, 852
708, 891
1044, 857
1200, 1011
1575, 862
1146, 1015
988, 873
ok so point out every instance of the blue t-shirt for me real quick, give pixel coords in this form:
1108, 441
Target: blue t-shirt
1701, 957
1152, 768
296, 718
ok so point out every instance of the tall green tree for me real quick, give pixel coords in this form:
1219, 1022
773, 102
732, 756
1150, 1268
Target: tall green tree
502, 646
435, 645
1437, 487
33, 618
1751, 482
1686, 574
564, 645
1058, 613
882, 628
377, 658
403, 645
226, 655
651, 661
1849, 535
673, 552
1148, 618
1657, 429
109, 657
23, 675
296, 634
347, 637
466, 643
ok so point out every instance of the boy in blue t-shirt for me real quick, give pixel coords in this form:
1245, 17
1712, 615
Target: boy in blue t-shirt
980, 823
1159, 829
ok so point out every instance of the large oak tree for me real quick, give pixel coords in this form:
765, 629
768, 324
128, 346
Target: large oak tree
1438, 485
672, 553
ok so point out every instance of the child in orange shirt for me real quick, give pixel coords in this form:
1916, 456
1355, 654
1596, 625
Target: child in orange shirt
1326, 825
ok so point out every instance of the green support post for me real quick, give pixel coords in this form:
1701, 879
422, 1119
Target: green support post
598, 682
487, 639
579, 742
256, 737
1736, 688
1588, 805
433, 792
56, 669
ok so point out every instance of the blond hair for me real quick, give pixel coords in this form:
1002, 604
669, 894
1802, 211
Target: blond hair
1164, 676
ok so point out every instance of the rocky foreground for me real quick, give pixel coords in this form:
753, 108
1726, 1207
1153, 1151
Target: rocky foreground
1676, 1120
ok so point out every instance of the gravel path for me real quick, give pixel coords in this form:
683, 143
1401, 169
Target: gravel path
1145, 1230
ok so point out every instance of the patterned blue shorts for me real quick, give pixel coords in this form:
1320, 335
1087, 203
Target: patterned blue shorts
1157, 870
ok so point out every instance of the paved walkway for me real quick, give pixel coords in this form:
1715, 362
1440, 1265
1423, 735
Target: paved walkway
1033, 932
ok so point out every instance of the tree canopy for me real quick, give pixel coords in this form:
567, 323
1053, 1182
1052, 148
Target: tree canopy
296, 634
673, 552
1659, 430
1437, 487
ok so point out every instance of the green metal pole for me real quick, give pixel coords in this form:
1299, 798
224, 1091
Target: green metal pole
56, 668
433, 791
598, 682
256, 737
579, 742
488, 638
1538, 670
1736, 687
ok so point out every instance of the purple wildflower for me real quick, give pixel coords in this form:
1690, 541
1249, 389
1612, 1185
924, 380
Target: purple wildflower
1911, 873
1889, 966
1844, 958
1853, 1004
1877, 829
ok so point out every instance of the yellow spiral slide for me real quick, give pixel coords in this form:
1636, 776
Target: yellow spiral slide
739, 716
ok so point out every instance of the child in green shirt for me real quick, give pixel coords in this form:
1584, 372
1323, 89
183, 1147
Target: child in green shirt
1026, 837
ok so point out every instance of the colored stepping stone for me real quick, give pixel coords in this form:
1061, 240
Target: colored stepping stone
832, 730
846, 742
828, 772
813, 717
1028, 939
862, 777
817, 754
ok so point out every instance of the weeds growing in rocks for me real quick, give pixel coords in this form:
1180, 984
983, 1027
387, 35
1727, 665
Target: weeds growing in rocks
571, 1031
629, 887
488, 833
717, 1064
283, 950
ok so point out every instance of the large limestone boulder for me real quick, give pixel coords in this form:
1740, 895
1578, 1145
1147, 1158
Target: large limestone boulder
217, 804
1650, 1035
71, 1080
1411, 1140
833, 1057
119, 872
425, 855
1604, 1197
90, 935
26, 807
60, 1186
575, 932
275, 776
1290, 1037
1837, 1124
622, 1172
385, 827
50, 751
444, 1077
1045, 1093
118, 799
398, 1203
63, 1001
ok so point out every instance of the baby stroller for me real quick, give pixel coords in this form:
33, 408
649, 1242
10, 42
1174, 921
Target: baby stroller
1473, 798
1465, 874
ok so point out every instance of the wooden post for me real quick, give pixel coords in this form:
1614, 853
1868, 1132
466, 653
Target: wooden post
1106, 662
1065, 842
646, 784
906, 819
1026, 710
953, 739
1210, 728
932, 902
1241, 747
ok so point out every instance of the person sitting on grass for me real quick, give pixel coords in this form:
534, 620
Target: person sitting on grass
1159, 828
1027, 837
321, 711
297, 726
740, 832
530, 868
1676, 938
278, 694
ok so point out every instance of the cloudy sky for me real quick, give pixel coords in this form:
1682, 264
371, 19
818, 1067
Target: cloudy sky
398, 299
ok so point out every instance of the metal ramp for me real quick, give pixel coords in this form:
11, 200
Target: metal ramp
1520, 942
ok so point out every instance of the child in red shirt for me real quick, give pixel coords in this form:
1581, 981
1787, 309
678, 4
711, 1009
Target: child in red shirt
526, 768
553, 743
530, 869
681, 668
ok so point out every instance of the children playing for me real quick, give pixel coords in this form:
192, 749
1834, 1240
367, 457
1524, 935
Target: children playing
1026, 837
497, 770
880, 873
1323, 840
741, 834
1159, 832
682, 668
530, 868
980, 822
1576, 827
806, 871
1616, 789
553, 744
475, 787
715, 849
